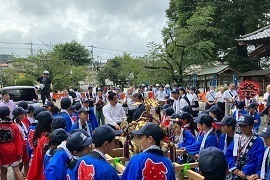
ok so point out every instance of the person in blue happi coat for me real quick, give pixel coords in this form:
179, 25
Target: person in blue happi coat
83, 123
91, 115
240, 111
55, 139
77, 145
252, 108
228, 132
95, 165
205, 140
245, 154
264, 172
65, 104
151, 163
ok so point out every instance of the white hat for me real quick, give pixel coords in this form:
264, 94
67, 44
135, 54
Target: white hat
167, 85
46, 72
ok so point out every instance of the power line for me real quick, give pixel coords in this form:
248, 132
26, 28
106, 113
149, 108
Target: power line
109, 49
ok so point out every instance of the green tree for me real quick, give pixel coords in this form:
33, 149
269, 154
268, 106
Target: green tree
219, 22
187, 44
32, 67
74, 52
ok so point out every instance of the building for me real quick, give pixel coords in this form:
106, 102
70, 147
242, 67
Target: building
213, 76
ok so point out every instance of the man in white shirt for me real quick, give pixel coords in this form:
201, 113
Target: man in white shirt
210, 97
179, 102
229, 96
193, 99
265, 96
78, 95
113, 112
219, 100
160, 94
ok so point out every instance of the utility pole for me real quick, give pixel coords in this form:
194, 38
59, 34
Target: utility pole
92, 53
31, 44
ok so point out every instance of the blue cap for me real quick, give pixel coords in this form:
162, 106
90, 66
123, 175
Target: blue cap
204, 118
83, 109
245, 120
4, 111
215, 110
169, 111
59, 122
19, 110
48, 103
44, 116
77, 140
37, 111
213, 163
104, 133
252, 105
58, 135
175, 91
265, 132
23, 104
227, 120
151, 129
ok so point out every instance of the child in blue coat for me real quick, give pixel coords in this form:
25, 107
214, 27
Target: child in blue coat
240, 110
209, 138
264, 172
77, 145
94, 165
252, 108
151, 163
245, 154
82, 122
227, 128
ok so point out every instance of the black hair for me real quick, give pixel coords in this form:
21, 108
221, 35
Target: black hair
138, 95
43, 126
80, 149
75, 89
4, 92
55, 109
219, 117
193, 126
5, 118
157, 142
208, 124
111, 95
99, 143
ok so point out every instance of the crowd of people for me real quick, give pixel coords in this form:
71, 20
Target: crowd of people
70, 142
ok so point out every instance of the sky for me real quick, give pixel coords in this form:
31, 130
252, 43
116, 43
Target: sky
111, 26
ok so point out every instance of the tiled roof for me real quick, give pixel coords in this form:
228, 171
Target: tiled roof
263, 33
213, 70
256, 73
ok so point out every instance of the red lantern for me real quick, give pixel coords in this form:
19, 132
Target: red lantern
248, 89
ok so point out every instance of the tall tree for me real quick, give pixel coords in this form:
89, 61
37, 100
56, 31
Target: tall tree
74, 52
229, 20
189, 44
33, 66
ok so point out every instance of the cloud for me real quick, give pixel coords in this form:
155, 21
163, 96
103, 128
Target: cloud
115, 24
